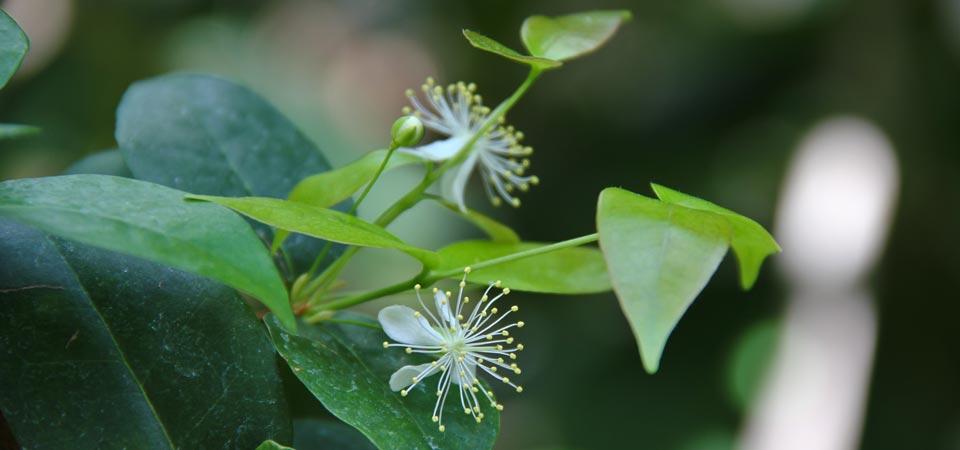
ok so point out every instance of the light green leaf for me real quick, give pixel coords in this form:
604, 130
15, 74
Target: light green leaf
12, 130
318, 222
273, 445
578, 270
206, 135
152, 222
497, 231
571, 36
660, 256
346, 367
121, 352
13, 47
487, 44
751, 243
329, 188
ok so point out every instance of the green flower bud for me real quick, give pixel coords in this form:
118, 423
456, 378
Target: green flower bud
407, 131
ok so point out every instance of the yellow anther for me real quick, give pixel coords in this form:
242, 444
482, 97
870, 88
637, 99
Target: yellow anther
509, 340
495, 201
408, 92
515, 202
520, 324
520, 347
519, 135
435, 290
466, 410
472, 87
505, 290
513, 356
493, 368
505, 333
408, 350
505, 380
417, 286
519, 389
443, 428
474, 389
430, 81
466, 300
484, 298
500, 360
489, 337
467, 269
403, 393
435, 418
516, 370
499, 407
497, 283
524, 187
490, 393
416, 314
448, 294
493, 310
477, 419
386, 344
499, 347
463, 284
460, 317
514, 308
406, 110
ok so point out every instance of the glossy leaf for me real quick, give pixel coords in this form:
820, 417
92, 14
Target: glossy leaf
13, 131
152, 222
13, 47
329, 188
346, 367
578, 270
751, 243
660, 256
497, 231
313, 434
571, 36
99, 349
205, 135
318, 222
487, 44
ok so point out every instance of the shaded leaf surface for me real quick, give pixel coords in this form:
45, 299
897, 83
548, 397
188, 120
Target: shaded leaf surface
567, 37
205, 135
579, 270
488, 44
103, 350
107, 162
12, 130
347, 369
13, 47
153, 222
313, 434
497, 231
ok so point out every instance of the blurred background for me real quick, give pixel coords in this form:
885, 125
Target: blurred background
758, 105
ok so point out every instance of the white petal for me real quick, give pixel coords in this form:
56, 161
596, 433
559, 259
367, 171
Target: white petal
441, 150
403, 326
443, 307
403, 377
471, 373
455, 182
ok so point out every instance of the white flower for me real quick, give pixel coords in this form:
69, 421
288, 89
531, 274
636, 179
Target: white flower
458, 113
460, 343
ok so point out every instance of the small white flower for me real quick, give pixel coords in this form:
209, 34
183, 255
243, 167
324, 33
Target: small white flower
461, 343
458, 113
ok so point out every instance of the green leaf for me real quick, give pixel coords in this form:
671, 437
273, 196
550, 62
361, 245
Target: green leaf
578, 270
273, 445
497, 231
487, 44
571, 36
660, 256
205, 135
152, 222
751, 243
13, 47
99, 349
318, 222
107, 162
346, 367
329, 188
749, 362
312, 434
13, 131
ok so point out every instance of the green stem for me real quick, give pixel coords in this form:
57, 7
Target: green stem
431, 278
348, 322
416, 194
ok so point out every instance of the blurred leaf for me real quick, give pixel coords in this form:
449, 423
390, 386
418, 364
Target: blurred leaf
107, 162
751, 243
206, 135
579, 270
13, 131
497, 231
101, 349
348, 370
272, 445
318, 222
571, 36
660, 256
311, 434
329, 188
751, 356
13, 47
487, 44
152, 222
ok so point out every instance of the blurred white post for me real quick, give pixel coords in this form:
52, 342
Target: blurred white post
832, 222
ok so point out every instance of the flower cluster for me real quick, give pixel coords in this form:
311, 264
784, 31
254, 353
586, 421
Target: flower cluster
459, 341
457, 112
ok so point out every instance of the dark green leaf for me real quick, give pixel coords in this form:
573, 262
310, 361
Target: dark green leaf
749, 240
311, 434
318, 222
579, 270
13, 47
660, 256
152, 222
13, 131
103, 350
273, 445
205, 135
571, 36
487, 44
497, 231
107, 162
348, 370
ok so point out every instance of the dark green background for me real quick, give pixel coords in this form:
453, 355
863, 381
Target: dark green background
686, 96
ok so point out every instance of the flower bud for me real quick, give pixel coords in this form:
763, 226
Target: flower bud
407, 131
